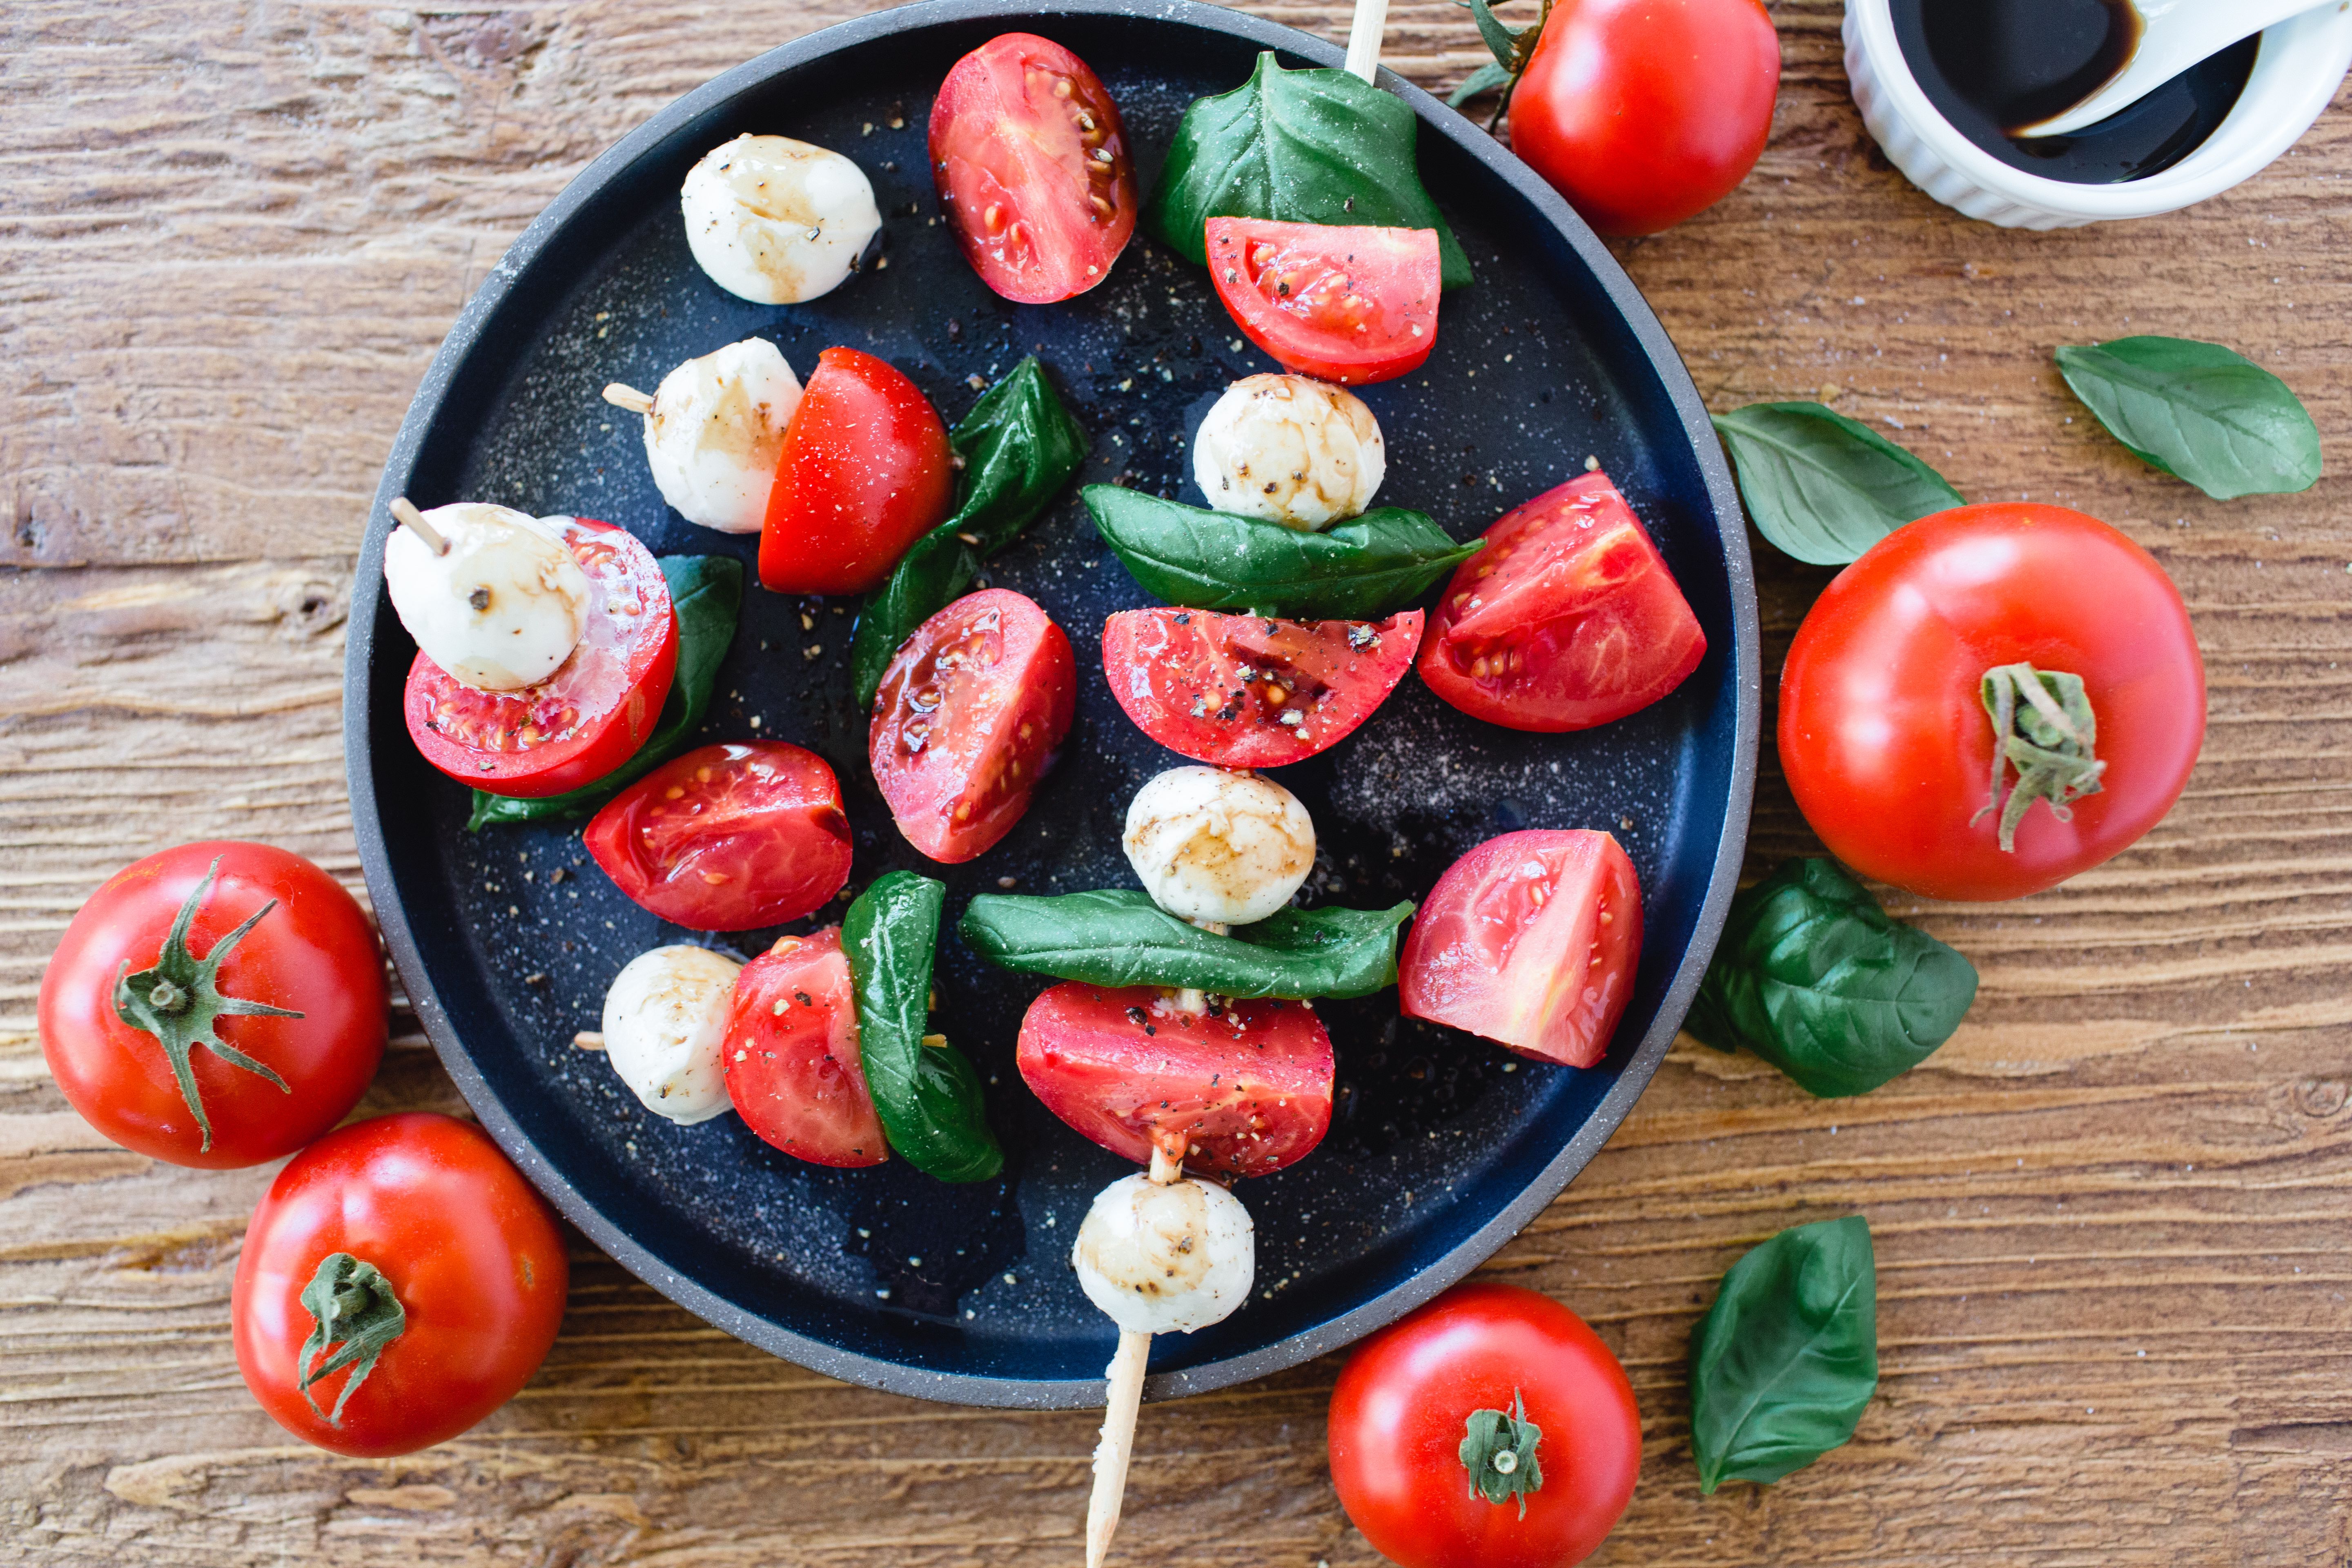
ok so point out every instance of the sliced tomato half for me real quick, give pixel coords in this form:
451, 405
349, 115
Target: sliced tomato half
793, 1067
1345, 304
586, 719
864, 471
728, 837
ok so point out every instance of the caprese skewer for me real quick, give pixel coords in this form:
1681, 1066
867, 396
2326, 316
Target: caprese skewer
714, 430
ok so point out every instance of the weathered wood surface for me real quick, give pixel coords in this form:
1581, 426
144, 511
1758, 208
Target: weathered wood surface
2111, 1214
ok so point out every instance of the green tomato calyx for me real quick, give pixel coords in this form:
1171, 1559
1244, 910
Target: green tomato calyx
2043, 727
352, 1305
1498, 1450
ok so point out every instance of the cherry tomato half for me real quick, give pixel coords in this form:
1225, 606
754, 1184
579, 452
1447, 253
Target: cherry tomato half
864, 471
728, 837
1346, 304
793, 1067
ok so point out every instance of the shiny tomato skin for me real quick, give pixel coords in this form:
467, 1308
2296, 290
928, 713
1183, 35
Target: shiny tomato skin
1530, 941
864, 471
1885, 738
1176, 674
728, 837
1643, 112
971, 713
1569, 619
1249, 1087
314, 954
471, 1251
793, 1065
586, 719
1405, 1398
1351, 305
1018, 134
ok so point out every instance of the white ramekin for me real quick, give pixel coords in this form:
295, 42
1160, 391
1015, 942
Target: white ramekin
2301, 63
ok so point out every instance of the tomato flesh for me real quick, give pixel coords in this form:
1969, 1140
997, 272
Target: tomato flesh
793, 1067
1346, 304
1568, 618
728, 837
1530, 941
586, 719
865, 470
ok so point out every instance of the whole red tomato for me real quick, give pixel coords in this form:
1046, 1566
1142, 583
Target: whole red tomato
1461, 1380
249, 1033
1884, 732
410, 1272
1642, 112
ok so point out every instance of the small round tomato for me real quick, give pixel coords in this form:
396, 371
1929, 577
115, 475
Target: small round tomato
793, 1065
728, 837
586, 719
970, 715
399, 1283
1568, 618
233, 1039
1643, 112
1555, 1438
1243, 691
1249, 1086
1346, 304
1530, 941
864, 470
1885, 733
1033, 168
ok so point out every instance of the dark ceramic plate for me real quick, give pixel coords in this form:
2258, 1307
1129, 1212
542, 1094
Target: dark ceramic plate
1442, 1145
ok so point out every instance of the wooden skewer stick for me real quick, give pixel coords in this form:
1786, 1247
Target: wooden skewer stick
1364, 37
404, 512
1190, 999
1125, 1396
589, 1040
620, 394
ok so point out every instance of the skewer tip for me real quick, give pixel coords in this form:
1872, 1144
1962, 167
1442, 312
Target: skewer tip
621, 395
404, 512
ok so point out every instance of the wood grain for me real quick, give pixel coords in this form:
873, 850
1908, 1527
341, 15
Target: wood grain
2111, 1214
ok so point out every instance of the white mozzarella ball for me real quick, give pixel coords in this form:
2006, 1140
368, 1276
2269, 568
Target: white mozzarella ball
502, 608
665, 1024
1292, 450
1166, 1258
778, 221
1214, 845
714, 430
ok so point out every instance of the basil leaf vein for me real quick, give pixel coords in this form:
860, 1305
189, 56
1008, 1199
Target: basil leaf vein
1118, 936
928, 1096
2198, 412
1823, 487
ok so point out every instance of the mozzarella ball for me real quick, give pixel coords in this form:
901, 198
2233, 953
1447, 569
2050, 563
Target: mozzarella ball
1214, 845
778, 221
1292, 450
715, 431
665, 1023
1165, 1259
502, 608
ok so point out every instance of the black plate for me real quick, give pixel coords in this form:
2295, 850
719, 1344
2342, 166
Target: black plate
1442, 1145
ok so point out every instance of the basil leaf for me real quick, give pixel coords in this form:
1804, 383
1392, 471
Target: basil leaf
1020, 446
1118, 936
1296, 146
707, 592
1788, 1357
927, 1095
1360, 571
1814, 978
2200, 412
1823, 487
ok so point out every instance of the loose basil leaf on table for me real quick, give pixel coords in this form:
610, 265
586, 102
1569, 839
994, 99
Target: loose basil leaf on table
1297, 146
1360, 571
1788, 1357
1812, 976
2200, 412
1823, 487
1020, 446
927, 1095
1118, 936
707, 592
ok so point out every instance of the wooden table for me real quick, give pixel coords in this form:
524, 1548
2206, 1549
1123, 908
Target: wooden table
2111, 1214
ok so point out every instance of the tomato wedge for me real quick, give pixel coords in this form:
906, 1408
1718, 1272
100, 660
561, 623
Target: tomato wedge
1530, 941
1242, 692
1250, 1087
968, 717
1568, 618
864, 471
1345, 304
793, 1067
586, 719
728, 837
1033, 168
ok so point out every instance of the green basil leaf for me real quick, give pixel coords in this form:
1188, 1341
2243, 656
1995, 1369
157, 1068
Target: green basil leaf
707, 592
1814, 978
1118, 936
1788, 1357
1823, 487
927, 1096
2200, 412
1020, 446
1297, 146
1360, 571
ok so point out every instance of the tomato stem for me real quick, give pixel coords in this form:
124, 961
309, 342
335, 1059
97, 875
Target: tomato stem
1498, 1450
2043, 727
352, 1305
